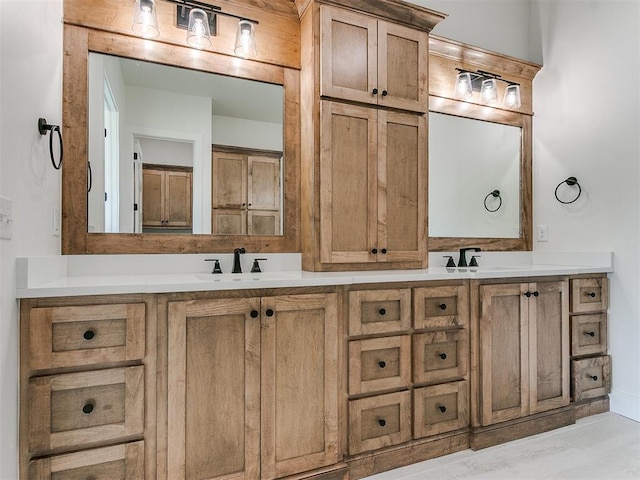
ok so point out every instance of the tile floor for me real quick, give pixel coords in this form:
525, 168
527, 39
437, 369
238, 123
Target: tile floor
605, 446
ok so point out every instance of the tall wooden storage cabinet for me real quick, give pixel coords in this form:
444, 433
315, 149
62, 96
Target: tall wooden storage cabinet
166, 197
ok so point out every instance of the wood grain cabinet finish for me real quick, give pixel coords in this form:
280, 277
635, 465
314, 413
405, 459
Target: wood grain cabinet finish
379, 421
252, 386
167, 197
590, 377
440, 408
119, 462
379, 311
80, 409
379, 364
588, 334
589, 294
72, 336
524, 349
438, 308
384, 63
440, 356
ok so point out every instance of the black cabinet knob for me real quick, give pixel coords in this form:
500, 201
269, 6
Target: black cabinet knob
384, 250
443, 306
375, 91
384, 93
254, 314
443, 356
591, 334
382, 311
89, 334
592, 294
87, 408
528, 294
269, 312
382, 422
374, 250
593, 377
535, 294
442, 408
382, 364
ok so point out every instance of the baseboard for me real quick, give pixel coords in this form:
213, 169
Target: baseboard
592, 406
625, 404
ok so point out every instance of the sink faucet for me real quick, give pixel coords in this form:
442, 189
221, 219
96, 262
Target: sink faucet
462, 261
237, 268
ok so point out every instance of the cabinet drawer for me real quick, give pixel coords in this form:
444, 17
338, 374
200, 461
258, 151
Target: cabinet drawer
377, 422
120, 462
589, 295
83, 408
379, 364
440, 408
590, 377
86, 335
440, 307
440, 356
379, 311
588, 334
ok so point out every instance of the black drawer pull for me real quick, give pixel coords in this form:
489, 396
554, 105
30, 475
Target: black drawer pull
443, 356
592, 294
375, 91
528, 294
593, 377
87, 408
374, 250
254, 314
442, 408
384, 250
591, 334
269, 312
384, 93
89, 334
382, 422
382, 311
382, 364
443, 306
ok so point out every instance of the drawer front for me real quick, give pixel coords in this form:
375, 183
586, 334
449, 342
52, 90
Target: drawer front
441, 307
440, 408
379, 364
83, 408
120, 462
440, 356
377, 422
589, 295
86, 335
590, 377
379, 311
588, 334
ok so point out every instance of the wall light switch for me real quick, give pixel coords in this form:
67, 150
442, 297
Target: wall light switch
6, 218
543, 233
55, 222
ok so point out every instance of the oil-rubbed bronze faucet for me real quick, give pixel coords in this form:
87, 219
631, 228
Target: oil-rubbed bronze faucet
462, 261
237, 268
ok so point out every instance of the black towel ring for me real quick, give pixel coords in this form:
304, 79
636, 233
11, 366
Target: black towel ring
90, 175
43, 127
571, 181
494, 194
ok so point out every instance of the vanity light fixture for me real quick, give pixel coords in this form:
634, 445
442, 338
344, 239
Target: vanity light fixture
486, 83
200, 21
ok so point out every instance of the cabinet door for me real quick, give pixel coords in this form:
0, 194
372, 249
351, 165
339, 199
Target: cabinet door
402, 187
348, 55
549, 345
229, 180
263, 222
348, 183
178, 199
263, 189
299, 383
213, 384
232, 221
152, 198
403, 56
504, 337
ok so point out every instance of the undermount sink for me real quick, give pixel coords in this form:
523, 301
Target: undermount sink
239, 277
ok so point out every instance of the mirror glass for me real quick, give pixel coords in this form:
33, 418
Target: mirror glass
468, 160
153, 130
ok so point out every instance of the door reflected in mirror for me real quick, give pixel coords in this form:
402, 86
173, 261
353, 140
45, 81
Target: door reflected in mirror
468, 160
151, 130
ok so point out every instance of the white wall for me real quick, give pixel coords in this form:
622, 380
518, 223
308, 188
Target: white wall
30, 87
245, 133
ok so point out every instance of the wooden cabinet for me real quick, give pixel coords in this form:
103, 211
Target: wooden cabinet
245, 192
261, 370
523, 348
373, 185
372, 61
166, 197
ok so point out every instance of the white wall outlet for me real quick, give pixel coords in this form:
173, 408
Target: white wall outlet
6, 218
543, 233
55, 221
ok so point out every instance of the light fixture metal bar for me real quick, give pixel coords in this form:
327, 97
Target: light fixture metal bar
209, 8
483, 75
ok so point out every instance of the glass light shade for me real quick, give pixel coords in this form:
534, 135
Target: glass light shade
464, 88
145, 21
198, 33
245, 40
489, 91
512, 96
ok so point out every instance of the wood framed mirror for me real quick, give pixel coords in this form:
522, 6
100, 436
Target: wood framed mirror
79, 43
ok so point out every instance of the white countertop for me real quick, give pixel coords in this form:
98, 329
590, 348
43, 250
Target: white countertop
121, 274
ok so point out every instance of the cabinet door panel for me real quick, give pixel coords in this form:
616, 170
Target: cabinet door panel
229, 184
402, 199
178, 199
152, 206
263, 222
229, 222
299, 384
549, 345
348, 179
263, 192
214, 377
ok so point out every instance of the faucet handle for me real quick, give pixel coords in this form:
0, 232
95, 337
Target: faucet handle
473, 262
450, 262
255, 268
216, 266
